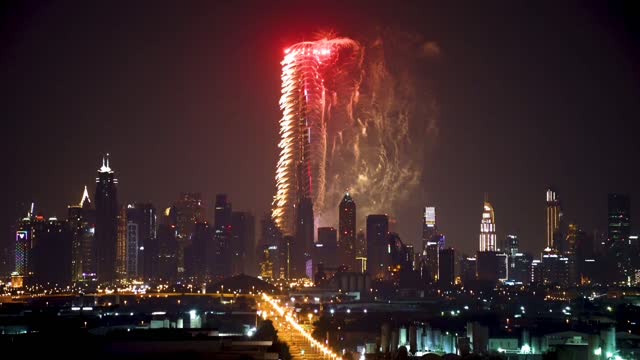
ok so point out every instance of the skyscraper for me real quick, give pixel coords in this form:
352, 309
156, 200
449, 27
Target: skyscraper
326, 248
188, 210
378, 254
429, 228
446, 267
347, 228
271, 264
301, 169
619, 226
302, 245
133, 253
121, 244
52, 255
553, 219
243, 242
146, 220
196, 259
106, 200
82, 225
23, 254
619, 218
222, 257
511, 245
488, 228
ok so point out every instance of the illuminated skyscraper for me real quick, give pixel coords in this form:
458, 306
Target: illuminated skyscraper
347, 228
554, 215
106, 200
23, 253
146, 221
121, 244
82, 225
619, 227
488, 228
429, 228
619, 218
378, 253
309, 72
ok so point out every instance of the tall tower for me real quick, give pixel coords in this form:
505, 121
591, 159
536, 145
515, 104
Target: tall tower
301, 246
188, 211
106, 199
378, 257
308, 71
553, 220
222, 236
619, 218
347, 228
82, 225
146, 220
488, 228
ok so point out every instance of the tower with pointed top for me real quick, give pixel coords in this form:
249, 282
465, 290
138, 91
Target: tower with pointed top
347, 228
106, 231
82, 223
487, 227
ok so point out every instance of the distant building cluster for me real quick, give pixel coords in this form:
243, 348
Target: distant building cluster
104, 241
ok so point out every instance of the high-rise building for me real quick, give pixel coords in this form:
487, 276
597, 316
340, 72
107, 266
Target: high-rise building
554, 214
271, 264
489, 266
164, 266
146, 219
188, 210
511, 245
378, 255
326, 248
619, 227
468, 268
520, 268
23, 254
554, 268
121, 244
52, 254
619, 218
488, 228
429, 228
106, 232
446, 267
222, 229
347, 227
301, 246
133, 253
361, 251
82, 225
243, 243
430, 258
197, 262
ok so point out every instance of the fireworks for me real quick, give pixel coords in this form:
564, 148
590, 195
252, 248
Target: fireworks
301, 169
355, 122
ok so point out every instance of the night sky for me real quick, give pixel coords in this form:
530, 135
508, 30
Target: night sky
185, 98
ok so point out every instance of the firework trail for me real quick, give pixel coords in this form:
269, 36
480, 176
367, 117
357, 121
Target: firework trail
352, 120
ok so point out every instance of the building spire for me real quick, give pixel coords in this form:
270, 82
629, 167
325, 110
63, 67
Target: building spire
105, 164
85, 197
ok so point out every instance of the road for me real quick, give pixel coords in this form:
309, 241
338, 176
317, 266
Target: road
297, 336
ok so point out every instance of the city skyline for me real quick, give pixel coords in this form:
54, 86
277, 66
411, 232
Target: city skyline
452, 179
